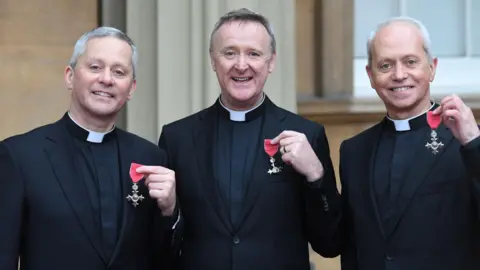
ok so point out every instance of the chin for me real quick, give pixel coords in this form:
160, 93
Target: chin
103, 111
403, 105
242, 95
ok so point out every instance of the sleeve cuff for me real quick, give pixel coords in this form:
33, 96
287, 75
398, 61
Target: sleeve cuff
471, 151
471, 156
324, 191
317, 184
473, 144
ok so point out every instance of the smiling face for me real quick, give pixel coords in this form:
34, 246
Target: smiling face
242, 59
400, 70
102, 80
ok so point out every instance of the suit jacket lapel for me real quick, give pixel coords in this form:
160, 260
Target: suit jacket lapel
425, 160
59, 151
271, 127
125, 147
204, 137
371, 148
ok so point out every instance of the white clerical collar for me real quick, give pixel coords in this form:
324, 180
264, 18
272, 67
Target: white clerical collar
404, 124
93, 136
240, 116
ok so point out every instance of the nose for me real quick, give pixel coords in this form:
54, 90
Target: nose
399, 73
241, 63
106, 77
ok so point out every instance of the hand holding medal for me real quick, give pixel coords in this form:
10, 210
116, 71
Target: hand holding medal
459, 118
297, 151
161, 186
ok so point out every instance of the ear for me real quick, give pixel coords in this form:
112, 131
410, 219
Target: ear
132, 90
212, 62
68, 77
433, 68
368, 68
271, 64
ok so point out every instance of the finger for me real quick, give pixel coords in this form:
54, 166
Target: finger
153, 170
438, 110
284, 134
446, 99
451, 114
159, 185
461, 106
287, 158
456, 100
289, 148
283, 150
159, 178
452, 104
157, 194
289, 140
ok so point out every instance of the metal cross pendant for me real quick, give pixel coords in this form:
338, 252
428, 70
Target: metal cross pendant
134, 197
434, 145
274, 168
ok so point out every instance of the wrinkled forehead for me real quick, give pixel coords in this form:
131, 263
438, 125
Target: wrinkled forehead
108, 49
242, 33
398, 39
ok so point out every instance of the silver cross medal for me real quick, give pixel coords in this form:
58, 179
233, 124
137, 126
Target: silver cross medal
434, 121
274, 168
433, 144
134, 197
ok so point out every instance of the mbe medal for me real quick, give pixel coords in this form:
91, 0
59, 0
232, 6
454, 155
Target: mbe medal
271, 150
434, 121
134, 197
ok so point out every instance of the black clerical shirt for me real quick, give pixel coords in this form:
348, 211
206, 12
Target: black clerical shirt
97, 161
237, 137
394, 156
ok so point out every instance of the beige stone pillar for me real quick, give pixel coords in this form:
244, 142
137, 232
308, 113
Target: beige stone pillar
174, 76
141, 114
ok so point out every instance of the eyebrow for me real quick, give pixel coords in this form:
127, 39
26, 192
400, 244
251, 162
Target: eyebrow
94, 59
236, 48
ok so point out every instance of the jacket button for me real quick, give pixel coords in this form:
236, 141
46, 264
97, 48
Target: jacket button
236, 240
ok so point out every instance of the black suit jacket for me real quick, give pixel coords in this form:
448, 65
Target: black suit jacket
280, 214
47, 219
436, 221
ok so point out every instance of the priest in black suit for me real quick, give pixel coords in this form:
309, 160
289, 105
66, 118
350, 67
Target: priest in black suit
411, 188
67, 198
247, 203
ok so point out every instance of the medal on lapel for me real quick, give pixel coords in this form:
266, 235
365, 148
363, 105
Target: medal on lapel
271, 150
134, 197
434, 121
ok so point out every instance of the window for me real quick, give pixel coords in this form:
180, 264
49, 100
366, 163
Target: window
453, 32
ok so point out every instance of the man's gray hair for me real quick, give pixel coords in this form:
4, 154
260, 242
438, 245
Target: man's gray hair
100, 32
423, 30
245, 15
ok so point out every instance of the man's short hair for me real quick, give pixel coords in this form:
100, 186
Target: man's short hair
100, 32
423, 31
245, 15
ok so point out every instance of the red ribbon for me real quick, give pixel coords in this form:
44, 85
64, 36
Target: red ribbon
133, 172
270, 149
433, 120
